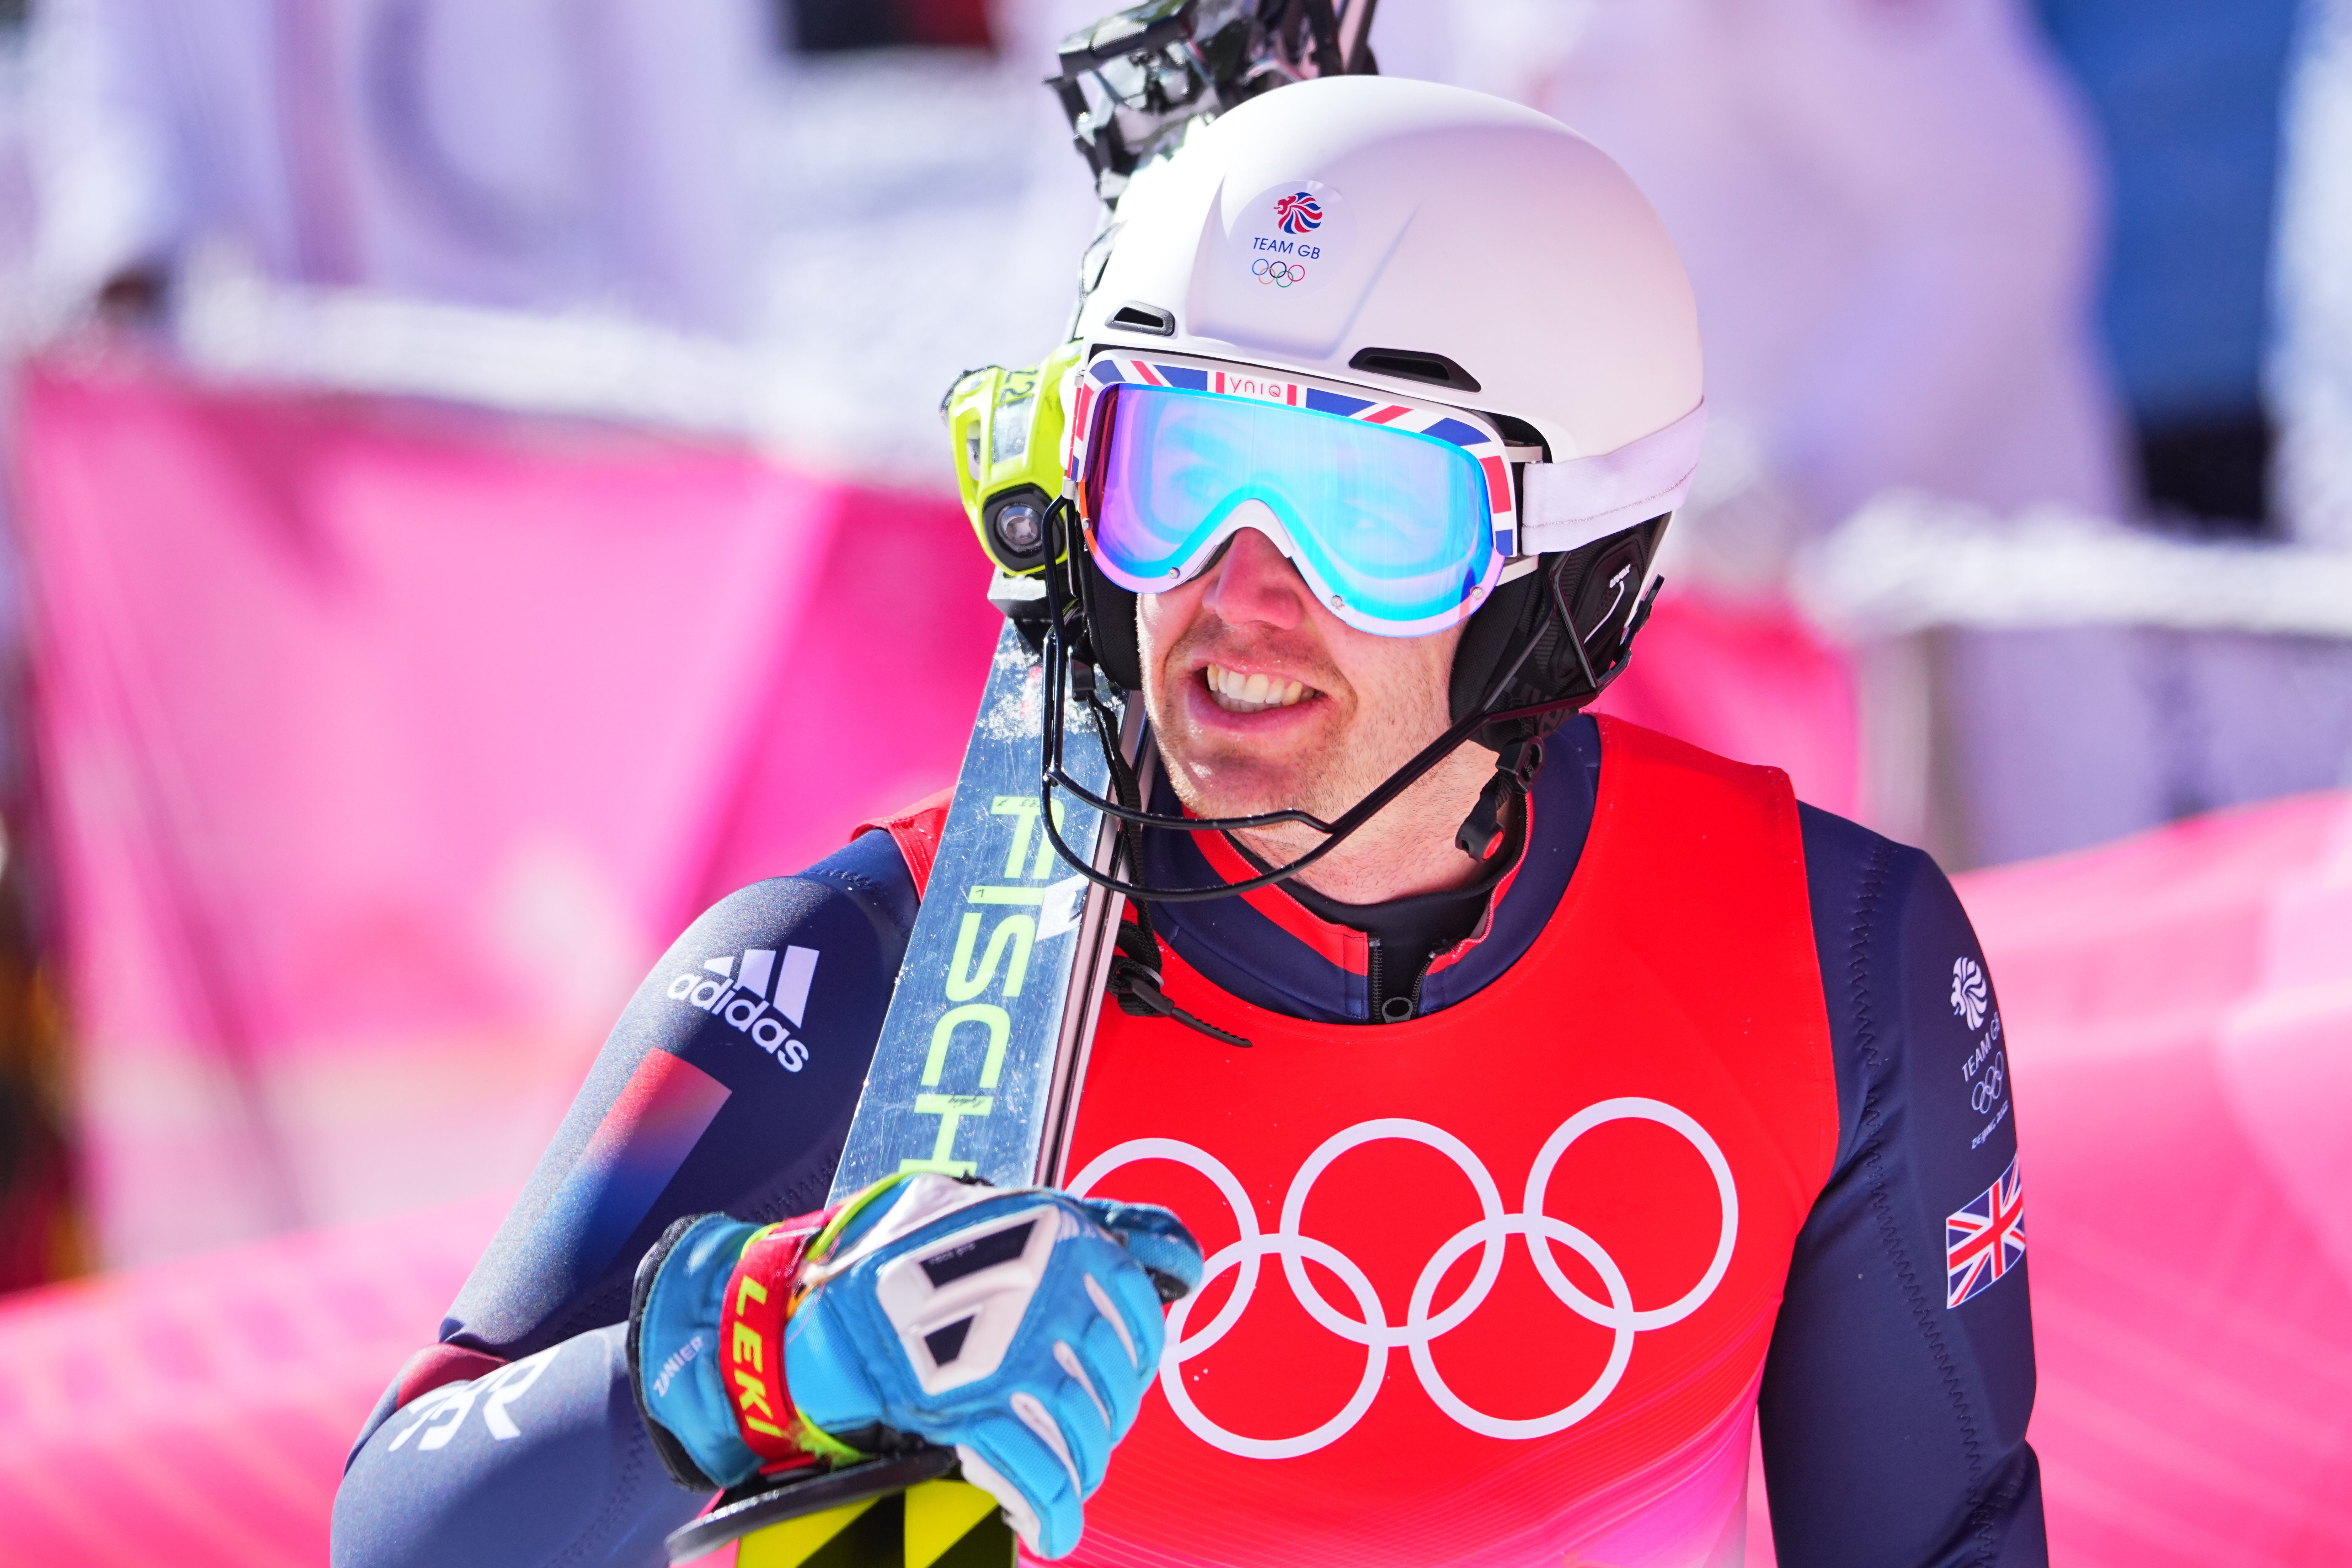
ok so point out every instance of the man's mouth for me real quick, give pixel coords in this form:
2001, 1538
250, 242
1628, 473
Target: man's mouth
1254, 693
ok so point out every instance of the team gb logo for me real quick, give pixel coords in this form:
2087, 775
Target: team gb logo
1301, 214
1969, 992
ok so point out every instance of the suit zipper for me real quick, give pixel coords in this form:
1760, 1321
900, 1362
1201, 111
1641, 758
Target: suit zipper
1375, 964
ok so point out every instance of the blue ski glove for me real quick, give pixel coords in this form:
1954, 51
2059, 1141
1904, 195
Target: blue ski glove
1020, 1328
679, 1345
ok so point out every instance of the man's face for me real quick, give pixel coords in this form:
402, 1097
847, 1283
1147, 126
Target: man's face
1263, 699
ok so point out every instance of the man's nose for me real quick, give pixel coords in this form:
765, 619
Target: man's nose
1253, 582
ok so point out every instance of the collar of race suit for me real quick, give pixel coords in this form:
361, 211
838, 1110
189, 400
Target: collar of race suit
1295, 951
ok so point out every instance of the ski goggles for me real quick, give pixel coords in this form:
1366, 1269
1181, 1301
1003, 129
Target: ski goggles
1399, 515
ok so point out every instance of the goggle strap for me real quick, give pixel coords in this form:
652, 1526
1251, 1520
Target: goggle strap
1563, 506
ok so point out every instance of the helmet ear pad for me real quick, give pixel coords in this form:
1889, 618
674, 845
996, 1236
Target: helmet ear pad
1110, 610
1496, 628
1602, 581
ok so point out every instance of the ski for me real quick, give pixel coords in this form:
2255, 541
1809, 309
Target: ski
982, 1050
974, 1075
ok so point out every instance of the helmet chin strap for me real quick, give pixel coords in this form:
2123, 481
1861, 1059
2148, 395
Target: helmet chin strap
1516, 763
1515, 773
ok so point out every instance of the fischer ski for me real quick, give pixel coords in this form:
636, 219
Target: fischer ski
980, 1053
983, 1051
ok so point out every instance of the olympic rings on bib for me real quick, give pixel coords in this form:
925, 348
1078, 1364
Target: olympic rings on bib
1371, 1330
1281, 274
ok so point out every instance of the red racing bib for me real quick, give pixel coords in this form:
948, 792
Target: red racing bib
1494, 1286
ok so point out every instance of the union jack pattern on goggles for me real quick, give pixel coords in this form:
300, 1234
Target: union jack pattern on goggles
1399, 515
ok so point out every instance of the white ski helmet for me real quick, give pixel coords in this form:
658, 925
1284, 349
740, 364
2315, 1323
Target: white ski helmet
1462, 243
1431, 245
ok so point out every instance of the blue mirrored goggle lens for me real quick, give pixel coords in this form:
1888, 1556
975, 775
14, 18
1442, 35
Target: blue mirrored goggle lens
1394, 521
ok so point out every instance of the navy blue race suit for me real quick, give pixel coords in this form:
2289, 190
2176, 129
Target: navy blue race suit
1892, 1425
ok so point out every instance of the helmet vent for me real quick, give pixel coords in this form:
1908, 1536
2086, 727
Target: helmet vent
1414, 365
1136, 316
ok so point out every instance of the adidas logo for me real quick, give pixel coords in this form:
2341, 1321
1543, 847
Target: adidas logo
741, 996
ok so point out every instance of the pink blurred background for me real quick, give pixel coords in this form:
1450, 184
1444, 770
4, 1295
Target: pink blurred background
470, 506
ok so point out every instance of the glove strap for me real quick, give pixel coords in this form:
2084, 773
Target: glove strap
751, 1348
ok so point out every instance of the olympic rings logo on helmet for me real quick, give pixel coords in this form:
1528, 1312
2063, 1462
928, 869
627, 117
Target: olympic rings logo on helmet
1281, 274
1421, 1328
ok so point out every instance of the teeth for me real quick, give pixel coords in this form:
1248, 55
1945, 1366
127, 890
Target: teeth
1254, 693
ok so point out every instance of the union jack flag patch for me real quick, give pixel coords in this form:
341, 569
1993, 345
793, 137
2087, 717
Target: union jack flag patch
1986, 1239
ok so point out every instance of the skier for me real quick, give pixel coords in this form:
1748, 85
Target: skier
1599, 1104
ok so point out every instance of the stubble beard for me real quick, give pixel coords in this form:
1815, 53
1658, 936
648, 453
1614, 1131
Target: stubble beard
1354, 750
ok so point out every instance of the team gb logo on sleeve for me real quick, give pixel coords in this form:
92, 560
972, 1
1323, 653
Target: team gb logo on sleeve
1968, 994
